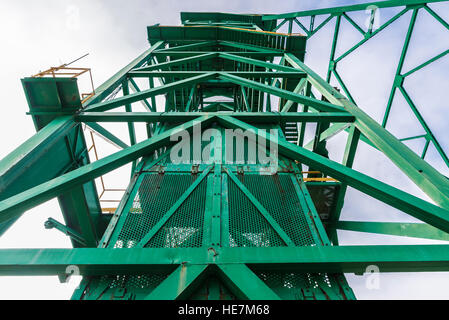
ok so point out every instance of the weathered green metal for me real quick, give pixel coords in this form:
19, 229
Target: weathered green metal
349, 259
245, 283
262, 210
342, 9
415, 230
174, 117
106, 134
172, 210
111, 84
183, 279
348, 160
111, 104
205, 228
34, 162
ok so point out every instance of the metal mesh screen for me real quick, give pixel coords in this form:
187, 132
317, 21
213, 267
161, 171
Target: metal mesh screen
138, 285
289, 285
135, 281
156, 194
278, 195
185, 227
247, 226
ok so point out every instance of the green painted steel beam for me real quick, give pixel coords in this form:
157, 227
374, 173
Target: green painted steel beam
247, 46
208, 17
80, 210
190, 100
246, 37
52, 223
109, 237
106, 134
195, 45
244, 74
430, 134
174, 117
245, 99
32, 162
400, 65
244, 283
321, 25
79, 206
342, 9
136, 88
333, 48
414, 230
15, 205
285, 94
354, 24
48, 135
332, 259
121, 101
107, 87
180, 284
301, 84
268, 217
301, 26
131, 127
348, 160
329, 133
178, 62
369, 36
401, 200
436, 16
427, 178
256, 62
422, 65
150, 234
255, 54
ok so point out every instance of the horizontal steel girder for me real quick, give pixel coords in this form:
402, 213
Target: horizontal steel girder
340, 10
271, 117
134, 97
348, 259
243, 74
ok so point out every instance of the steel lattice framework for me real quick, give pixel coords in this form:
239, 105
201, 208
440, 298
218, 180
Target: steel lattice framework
217, 229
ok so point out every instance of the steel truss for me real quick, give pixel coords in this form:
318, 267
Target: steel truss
234, 58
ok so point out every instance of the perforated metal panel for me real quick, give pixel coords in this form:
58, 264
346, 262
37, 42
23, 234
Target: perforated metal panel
156, 194
278, 196
124, 286
247, 226
185, 227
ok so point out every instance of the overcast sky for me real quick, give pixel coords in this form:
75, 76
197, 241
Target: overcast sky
37, 36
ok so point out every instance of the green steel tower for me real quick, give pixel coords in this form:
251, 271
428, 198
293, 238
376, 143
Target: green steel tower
227, 199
